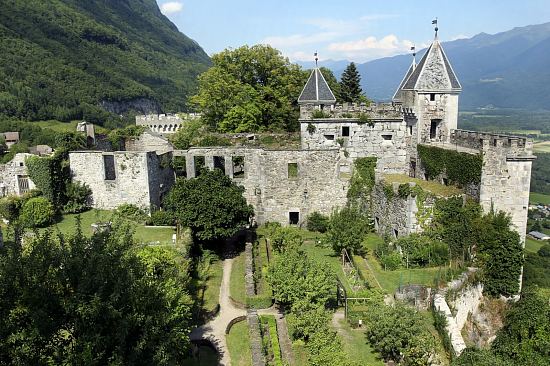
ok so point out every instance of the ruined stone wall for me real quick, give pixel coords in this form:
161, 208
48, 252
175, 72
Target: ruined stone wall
354, 110
13, 176
136, 178
393, 215
149, 141
387, 140
160, 123
318, 186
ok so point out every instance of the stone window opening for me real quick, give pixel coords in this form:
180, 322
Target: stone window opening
329, 137
345, 131
412, 171
494, 142
238, 166
292, 170
432, 97
410, 130
376, 223
434, 127
23, 183
219, 163
109, 167
293, 218
395, 233
387, 137
179, 164
21, 164
200, 164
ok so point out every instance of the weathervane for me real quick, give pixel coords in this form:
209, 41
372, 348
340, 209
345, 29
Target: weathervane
413, 49
436, 28
316, 58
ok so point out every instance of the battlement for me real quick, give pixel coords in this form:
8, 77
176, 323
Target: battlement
374, 111
515, 145
164, 123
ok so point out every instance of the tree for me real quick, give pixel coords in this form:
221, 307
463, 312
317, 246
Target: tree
478, 357
350, 84
211, 205
93, 301
250, 89
296, 278
332, 82
346, 229
286, 238
317, 222
37, 212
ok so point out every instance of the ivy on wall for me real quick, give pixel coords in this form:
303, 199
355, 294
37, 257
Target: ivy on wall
50, 175
362, 181
461, 168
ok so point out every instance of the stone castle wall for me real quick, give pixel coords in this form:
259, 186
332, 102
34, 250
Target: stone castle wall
14, 176
353, 110
160, 123
149, 141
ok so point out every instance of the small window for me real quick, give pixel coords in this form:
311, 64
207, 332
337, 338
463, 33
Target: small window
387, 137
109, 167
179, 164
21, 164
410, 130
395, 233
219, 163
345, 131
432, 97
376, 222
292, 170
199, 164
445, 182
238, 166
329, 137
293, 218
495, 142
433, 128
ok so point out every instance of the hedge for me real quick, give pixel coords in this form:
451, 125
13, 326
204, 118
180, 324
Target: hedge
259, 302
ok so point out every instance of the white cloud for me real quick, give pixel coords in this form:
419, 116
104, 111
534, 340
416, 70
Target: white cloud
460, 36
171, 7
370, 48
296, 40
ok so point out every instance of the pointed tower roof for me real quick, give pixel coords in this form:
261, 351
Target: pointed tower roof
397, 95
316, 90
433, 73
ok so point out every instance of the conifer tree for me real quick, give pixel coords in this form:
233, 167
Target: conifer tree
350, 85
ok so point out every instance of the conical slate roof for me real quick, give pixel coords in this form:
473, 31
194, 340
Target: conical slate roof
433, 73
316, 90
397, 95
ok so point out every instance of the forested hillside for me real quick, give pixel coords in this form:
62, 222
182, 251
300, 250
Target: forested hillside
72, 59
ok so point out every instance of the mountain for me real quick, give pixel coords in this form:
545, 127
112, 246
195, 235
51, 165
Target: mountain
72, 59
508, 69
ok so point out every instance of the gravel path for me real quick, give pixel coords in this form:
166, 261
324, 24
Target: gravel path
214, 330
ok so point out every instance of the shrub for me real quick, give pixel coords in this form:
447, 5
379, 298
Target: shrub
131, 212
161, 218
391, 261
421, 251
37, 212
79, 198
259, 302
319, 114
347, 229
10, 207
285, 238
317, 222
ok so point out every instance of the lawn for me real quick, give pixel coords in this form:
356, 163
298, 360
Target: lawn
300, 353
238, 342
58, 126
428, 185
237, 284
543, 147
143, 234
532, 245
356, 345
539, 199
211, 294
261, 267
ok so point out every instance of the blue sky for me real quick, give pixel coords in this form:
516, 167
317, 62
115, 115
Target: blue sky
347, 29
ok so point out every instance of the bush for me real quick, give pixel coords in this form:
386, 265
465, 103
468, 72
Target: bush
259, 302
319, 114
347, 229
79, 198
391, 261
284, 238
161, 218
421, 251
131, 212
317, 222
37, 212
10, 207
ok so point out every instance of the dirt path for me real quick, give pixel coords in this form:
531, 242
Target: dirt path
214, 330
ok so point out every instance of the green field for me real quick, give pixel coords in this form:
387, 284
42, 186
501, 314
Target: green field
211, 294
543, 147
238, 342
356, 345
58, 126
532, 245
237, 284
539, 198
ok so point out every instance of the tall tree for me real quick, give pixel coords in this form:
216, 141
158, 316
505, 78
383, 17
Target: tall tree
211, 205
350, 85
250, 89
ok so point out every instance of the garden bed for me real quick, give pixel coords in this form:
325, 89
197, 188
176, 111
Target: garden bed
270, 340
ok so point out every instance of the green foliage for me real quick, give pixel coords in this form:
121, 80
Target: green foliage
250, 89
536, 270
399, 334
161, 218
540, 174
525, 337
185, 137
37, 212
440, 324
131, 212
364, 118
350, 84
79, 198
286, 238
346, 230
304, 321
118, 136
319, 114
325, 348
213, 140
272, 350
478, 357
62, 59
317, 222
211, 205
389, 258
10, 208
311, 128
362, 180
461, 168
294, 277
51, 175
420, 250
93, 301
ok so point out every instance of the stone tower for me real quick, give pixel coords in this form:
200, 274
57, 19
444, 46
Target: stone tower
430, 92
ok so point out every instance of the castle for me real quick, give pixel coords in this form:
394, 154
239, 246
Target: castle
286, 185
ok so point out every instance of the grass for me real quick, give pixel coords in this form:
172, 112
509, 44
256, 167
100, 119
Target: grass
539, 199
300, 353
143, 234
58, 126
237, 284
211, 294
238, 342
533, 245
542, 147
356, 345
261, 265
428, 185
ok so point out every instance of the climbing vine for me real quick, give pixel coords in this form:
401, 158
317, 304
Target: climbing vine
461, 168
50, 175
362, 180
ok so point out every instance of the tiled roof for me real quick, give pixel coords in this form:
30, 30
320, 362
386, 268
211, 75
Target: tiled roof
316, 90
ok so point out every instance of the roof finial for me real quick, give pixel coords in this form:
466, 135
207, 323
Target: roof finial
316, 58
413, 49
436, 28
